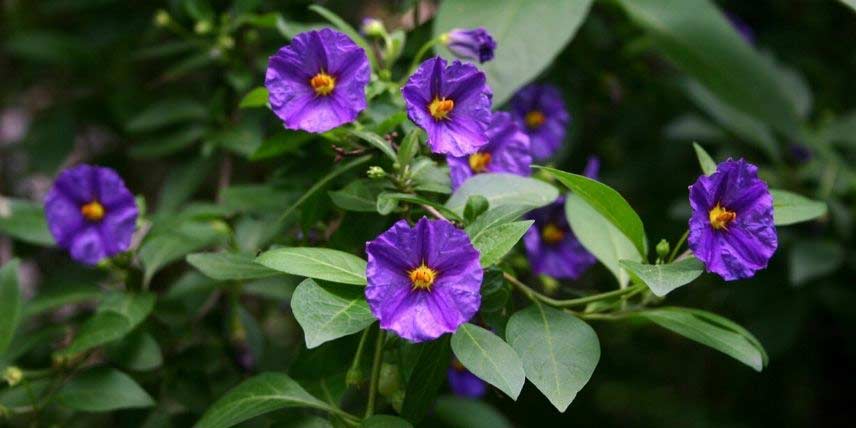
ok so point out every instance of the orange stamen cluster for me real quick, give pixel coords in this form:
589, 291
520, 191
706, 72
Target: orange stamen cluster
422, 277
721, 217
552, 234
479, 162
534, 119
92, 211
440, 108
323, 83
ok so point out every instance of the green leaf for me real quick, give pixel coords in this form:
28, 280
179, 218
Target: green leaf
430, 177
384, 198
409, 147
138, 352
697, 37
116, 316
609, 203
229, 266
167, 144
281, 144
318, 263
325, 316
495, 242
375, 141
348, 30
25, 221
790, 208
494, 217
103, 390
476, 206
711, 330
163, 248
503, 189
429, 373
841, 131
359, 195
662, 279
458, 413
708, 166
10, 303
600, 237
167, 112
256, 396
850, 3
490, 358
385, 421
258, 97
810, 259
60, 296
529, 35
561, 351
341, 169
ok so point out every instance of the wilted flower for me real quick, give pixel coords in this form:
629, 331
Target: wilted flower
318, 81
473, 44
452, 104
732, 229
423, 281
541, 113
506, 151
463, 383
91, 213
551, 246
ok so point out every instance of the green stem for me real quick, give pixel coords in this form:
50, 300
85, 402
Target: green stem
678, 246
378, 358
534, 295
355, 365
418, 58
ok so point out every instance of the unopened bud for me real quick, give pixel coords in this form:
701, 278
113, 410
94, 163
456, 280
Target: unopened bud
226, 42
376, 172
663, 249
13, 375
354, 377
390, 380
162, 18
373, 27
202, 27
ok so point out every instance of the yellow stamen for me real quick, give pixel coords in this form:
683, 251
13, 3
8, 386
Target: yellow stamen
440, 108
323, 83
552, 234
422, 277
534, 119
479, 162
720, 217
93, 211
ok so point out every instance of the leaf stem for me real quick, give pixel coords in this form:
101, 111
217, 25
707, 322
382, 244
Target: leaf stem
378, 358
534, 295
678, 246
355, 365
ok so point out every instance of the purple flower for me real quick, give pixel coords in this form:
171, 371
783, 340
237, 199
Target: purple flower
463, 383
541, 113
731, 229
506, 151
473, 44
551, 246
423, 281
91, 213
318, 81
452, 104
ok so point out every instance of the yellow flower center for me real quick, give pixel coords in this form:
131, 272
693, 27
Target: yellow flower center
479, 162
323, 83
93, 211
440, 108
422, 277
552, 234
534, 119
720, 217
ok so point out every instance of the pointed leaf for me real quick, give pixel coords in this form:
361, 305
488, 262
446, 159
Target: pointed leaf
229, 266
662, 279
10, 303
318, 263
325, 316
503, 189
103, 390
790, 208
708, 166
490, 358
496, 241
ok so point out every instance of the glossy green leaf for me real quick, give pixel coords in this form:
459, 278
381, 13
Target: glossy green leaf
258, 97
490, 358
10, 303
103, 390
560, 351
429, 373
318, 263
116, 316
662, 279
428, 176
458, 413
790, 208
495, 242
256, 396
385, 421
25, 221
708, 166
167, 112
503, 189
494, 217
609, 203
229, 266
529, 35
711, 331
375, 141
326, 316
600, 237
358, 195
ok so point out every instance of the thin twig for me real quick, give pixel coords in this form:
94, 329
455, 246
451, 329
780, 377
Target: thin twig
534, 295
378, 359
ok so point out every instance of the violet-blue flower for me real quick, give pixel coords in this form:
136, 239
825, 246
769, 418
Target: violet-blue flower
318, 81
541, 113
91, 213
473, 44
506, 151
731, 228
464, 383
452, 104
551, 246
423, 281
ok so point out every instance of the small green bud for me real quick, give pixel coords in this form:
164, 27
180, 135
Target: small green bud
376, 172
13, 375
663, 249
202, 27
551, 286
397, 400
390, 380
162, 18
373, 27
226, 42
354, 377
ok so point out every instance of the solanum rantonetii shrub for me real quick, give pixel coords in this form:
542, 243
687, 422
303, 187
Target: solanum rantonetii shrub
442, 292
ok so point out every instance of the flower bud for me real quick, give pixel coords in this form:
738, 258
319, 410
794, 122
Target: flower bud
390, 380
376, 172
202, 27
162, 18
13, 375
354, 377
663, 249
474, 44
372, 27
